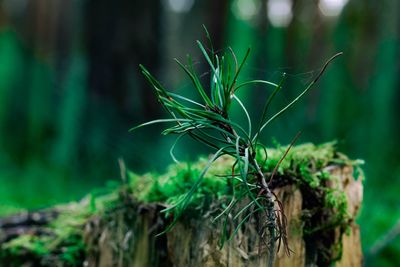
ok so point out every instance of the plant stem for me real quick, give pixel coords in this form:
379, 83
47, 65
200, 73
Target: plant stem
270, 212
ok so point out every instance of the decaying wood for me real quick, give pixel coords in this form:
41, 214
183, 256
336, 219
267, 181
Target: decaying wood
127, 237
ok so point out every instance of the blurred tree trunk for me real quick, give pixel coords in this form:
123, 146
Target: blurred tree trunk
216, 21
383, 84
120, 36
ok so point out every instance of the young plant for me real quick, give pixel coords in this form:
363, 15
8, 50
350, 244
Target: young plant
209, 122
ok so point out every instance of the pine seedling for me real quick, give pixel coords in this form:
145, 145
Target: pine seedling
208, 121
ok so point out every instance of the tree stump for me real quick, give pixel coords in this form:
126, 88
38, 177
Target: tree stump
119, 229
121, 242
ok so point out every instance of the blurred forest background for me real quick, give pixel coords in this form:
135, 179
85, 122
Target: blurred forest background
70, 89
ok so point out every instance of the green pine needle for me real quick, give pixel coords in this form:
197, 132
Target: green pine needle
209, 122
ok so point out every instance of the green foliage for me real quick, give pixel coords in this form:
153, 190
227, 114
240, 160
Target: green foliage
210, 123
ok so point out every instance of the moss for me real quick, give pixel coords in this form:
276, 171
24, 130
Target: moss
178, 180
43, 251
304, 161
304, 165
31, 243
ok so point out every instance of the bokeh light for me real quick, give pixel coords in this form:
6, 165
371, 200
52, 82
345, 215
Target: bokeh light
280, 12
331, 8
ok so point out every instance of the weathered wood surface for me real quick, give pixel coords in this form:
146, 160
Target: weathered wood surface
121, 241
